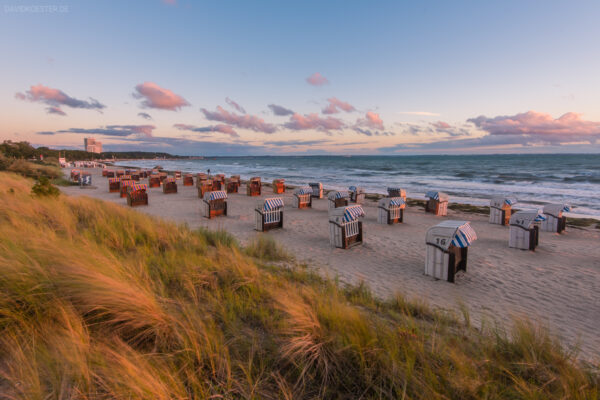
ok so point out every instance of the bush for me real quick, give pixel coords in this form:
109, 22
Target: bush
43, 188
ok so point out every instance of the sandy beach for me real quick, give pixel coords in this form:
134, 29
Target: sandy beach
558, 285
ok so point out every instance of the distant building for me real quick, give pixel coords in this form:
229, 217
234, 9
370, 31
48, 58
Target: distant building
92, 145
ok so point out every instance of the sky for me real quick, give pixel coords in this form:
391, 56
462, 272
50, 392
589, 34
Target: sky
302, 77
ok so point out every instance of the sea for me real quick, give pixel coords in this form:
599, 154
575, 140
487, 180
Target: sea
534, 180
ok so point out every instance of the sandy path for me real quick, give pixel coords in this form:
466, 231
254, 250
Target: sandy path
558, 284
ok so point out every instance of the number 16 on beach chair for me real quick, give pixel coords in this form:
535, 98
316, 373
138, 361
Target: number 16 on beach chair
345, 228
447, 246
391, 210
303, 197
214, 204
269, 214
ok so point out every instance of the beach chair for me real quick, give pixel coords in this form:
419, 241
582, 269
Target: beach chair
135, 176
278, 186
104, 172
437, 203
357, 194
154, 181
447, 247
253, 186
110, 173
200, 177
216, 183
188, 180
317, 188
75, 174
500, 209
390, 210
143, 174
205, 187
232, 184
125, 177
345, 227
177, 174
337, 199
137, 195
125, 183
303, 197
269, 214
120, 172
555, 221
395, 191
214, 204
169, 186
114, 185
524, 230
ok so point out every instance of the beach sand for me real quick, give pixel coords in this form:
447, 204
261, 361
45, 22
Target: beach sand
558, 285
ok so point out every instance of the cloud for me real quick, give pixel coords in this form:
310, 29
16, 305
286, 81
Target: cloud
241, 121
235, 105
297, 143
154, 96
300, 122
317, 79
145, 115
109, 130
226, 129
420, 113
372, 120
56, 98
280, 111
368, 132
567, 128
335, 105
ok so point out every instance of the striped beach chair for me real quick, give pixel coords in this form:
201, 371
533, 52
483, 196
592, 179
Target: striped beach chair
114, 185
524, 229
345, 227
437, 203
303, 197
109, 173
500, 209
357, 194
317, 188
169, 186
278, 186
395, 191
253, 187
125, 183
391, 210
555, 220
269, 214
214, 204
75, 174
447, 248
337, 199
137, 195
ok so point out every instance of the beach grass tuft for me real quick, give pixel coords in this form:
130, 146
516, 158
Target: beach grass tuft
99, 301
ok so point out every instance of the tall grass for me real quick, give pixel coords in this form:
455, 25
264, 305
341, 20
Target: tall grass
98, 301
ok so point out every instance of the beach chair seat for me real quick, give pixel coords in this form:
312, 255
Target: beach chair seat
555, 220
317, 188
391, 210
345, 227
356, 194
188, 180
214, 204
253, 187
437, 203
501, 209
447, 249
269, 214
278, 186
303, 197
137, 195
338, 199
524, 229
169, 186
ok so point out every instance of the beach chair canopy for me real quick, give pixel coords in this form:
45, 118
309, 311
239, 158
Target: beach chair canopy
447, 233
355, 189
127, 182
338, 195
138, 186
526, 218
113, 180
348, 213
435, 195
500, 201
303, 190
391, 202
215, 195
272, 203
316, 185
555, 209
170, 180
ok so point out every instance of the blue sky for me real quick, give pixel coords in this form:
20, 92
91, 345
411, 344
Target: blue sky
415, 77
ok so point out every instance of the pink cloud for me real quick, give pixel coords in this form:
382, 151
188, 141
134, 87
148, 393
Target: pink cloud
155, 96
235, 105
570, 125
317, 79
441, 125
226, 129
313, 121
251, 122
372, 120
56, 98
335, 105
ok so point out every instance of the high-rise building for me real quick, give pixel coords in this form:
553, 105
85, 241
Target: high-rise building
91, 145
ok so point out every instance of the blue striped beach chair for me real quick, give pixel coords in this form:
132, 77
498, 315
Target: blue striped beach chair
447, 249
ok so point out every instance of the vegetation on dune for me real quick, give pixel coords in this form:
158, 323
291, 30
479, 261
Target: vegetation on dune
99, 301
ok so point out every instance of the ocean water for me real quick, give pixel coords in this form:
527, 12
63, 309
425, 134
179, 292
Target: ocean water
534, 179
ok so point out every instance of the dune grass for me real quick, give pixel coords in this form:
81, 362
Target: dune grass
99, 301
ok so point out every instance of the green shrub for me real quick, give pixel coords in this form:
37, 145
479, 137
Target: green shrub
43, 188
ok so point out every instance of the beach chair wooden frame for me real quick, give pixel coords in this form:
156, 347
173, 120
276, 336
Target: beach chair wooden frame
188, 180
253, 187
454, 259
278, 186
169, 186
350, 233
303, 200
205, 187
154, 181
